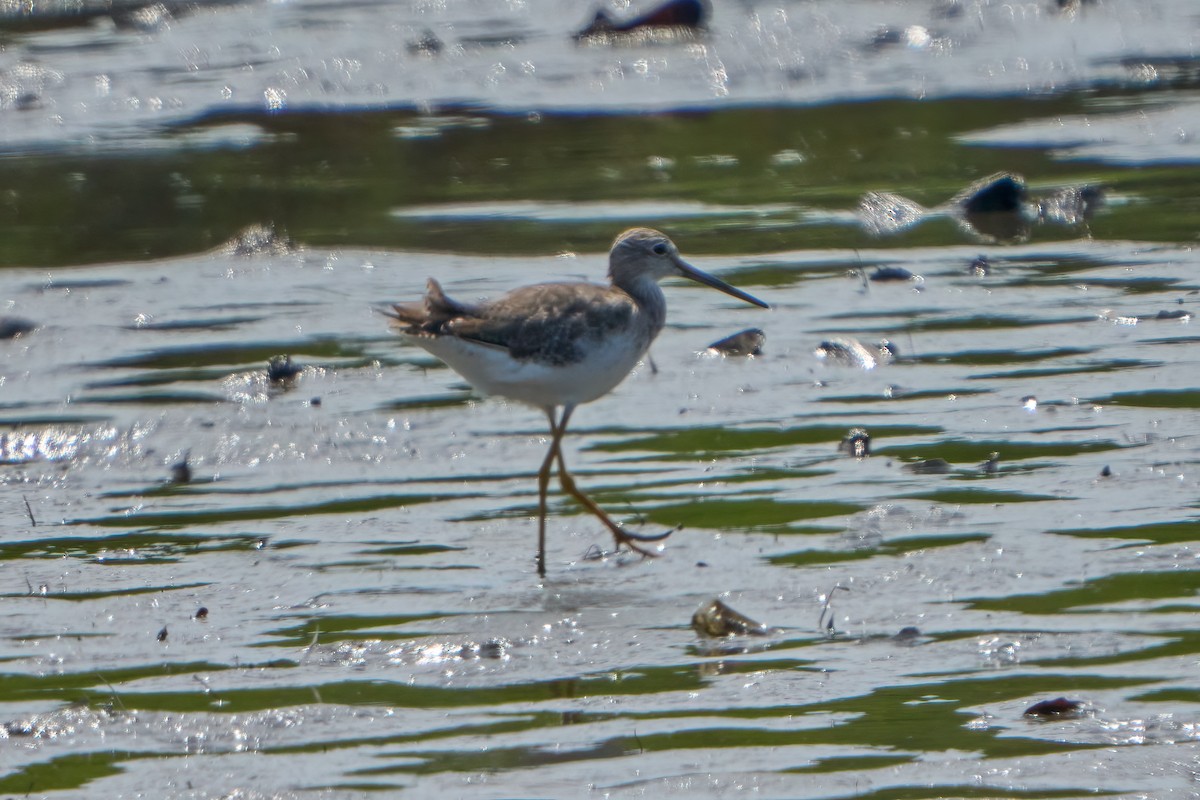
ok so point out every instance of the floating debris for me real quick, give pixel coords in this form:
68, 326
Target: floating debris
992, 465
857, 442
201, 614
717, 619
1056, 708
981, 267
1174, 313
674, 17
746, 343
162, 635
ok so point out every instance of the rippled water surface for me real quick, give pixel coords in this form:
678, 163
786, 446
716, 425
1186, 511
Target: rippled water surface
340, 599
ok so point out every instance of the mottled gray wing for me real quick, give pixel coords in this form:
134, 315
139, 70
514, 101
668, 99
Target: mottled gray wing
550, 322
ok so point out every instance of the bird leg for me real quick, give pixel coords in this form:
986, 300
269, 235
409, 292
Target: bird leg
622, 536
543, 486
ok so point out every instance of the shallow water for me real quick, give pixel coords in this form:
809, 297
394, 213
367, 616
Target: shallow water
362, 536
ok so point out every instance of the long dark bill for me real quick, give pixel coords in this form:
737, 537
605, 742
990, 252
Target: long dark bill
699, 276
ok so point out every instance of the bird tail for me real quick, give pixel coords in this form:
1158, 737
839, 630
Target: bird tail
430, 314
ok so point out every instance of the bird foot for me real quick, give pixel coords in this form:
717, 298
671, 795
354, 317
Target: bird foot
632, 540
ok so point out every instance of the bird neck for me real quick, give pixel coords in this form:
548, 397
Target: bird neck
648, 296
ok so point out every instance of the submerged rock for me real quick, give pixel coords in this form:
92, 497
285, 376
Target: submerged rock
928, 466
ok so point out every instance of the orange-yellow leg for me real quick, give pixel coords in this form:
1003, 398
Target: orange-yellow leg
620, 535
543, 487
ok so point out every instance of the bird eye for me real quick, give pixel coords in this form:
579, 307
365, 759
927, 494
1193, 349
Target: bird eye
660, 249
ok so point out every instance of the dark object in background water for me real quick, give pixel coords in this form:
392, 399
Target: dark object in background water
883, 274
848, 352
201, 614
1002, 193
1106, 472
857, 442
909, 634
1174, 313
1058, 707
929, 466
181, 471
990, 466
280, 369
12, 327
162, 635
1071, 205
146, 18
997, 207
981, 267
744, 343
717, 619
680, 15
428, 45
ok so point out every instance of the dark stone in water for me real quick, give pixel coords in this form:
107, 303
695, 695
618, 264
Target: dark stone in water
744, 343
181, 471
891, 274
281, 369
684, 14
202, 613
717, 619
857, 443
1174, 313
12, 327
1106, 472
1002, 193
1058, 707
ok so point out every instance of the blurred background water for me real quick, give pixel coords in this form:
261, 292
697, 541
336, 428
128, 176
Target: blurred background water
223, 581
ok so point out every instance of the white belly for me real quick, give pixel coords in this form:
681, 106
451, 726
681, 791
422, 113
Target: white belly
492, 370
